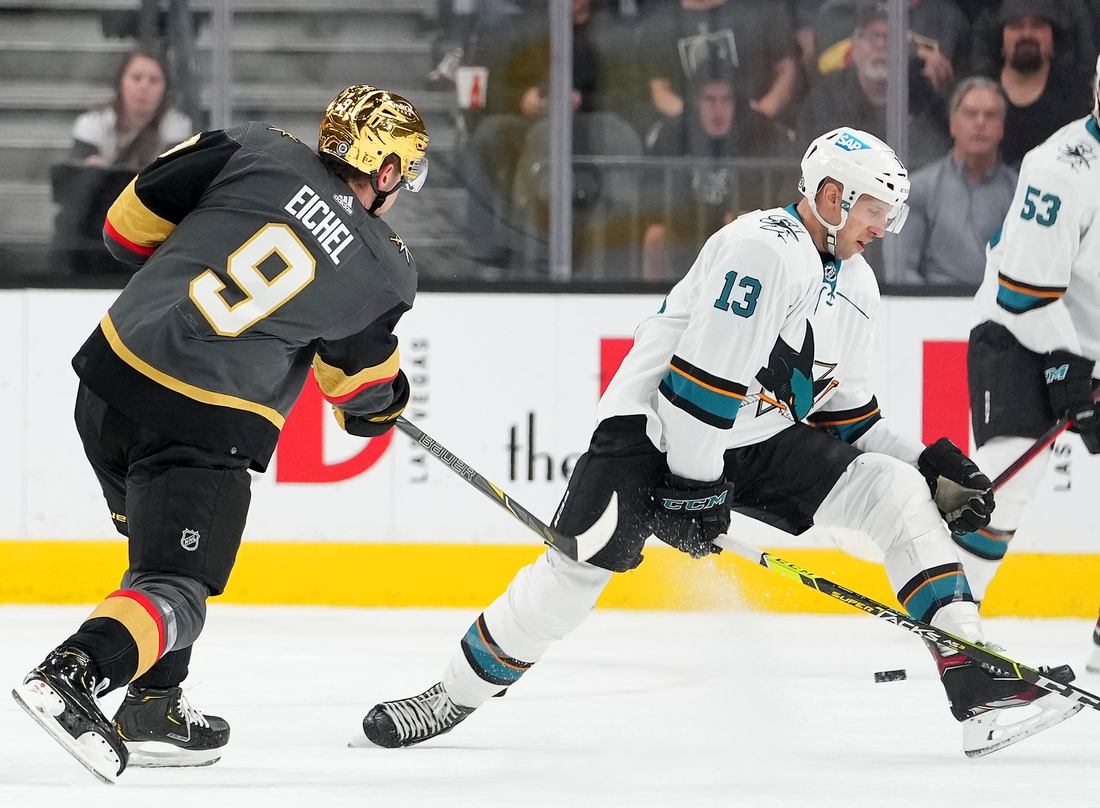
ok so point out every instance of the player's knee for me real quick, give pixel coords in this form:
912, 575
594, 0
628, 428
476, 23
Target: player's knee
883, 497
189, 521
547, 600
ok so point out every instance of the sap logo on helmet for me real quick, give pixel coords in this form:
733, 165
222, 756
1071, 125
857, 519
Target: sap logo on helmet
850, 142
1056, 374
189, 541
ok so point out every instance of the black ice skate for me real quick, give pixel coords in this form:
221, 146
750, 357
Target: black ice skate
999, 711
409, 721
60, 694
161, 729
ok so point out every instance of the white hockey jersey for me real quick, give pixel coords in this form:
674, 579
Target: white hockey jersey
762, 332
1042, 276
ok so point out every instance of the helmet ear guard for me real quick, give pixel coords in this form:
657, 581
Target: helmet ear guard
861, 164
364, 125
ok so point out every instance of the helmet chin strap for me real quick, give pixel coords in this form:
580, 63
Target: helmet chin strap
379, 196
831, 230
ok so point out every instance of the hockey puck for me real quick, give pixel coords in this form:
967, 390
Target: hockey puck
889, 676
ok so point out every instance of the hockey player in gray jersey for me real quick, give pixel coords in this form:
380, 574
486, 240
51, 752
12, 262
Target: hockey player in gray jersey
1032, 359
751, 388
259, 259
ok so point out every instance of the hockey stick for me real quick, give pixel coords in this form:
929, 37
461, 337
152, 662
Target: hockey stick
579, 548
992, 662
1042, 442
1032, 451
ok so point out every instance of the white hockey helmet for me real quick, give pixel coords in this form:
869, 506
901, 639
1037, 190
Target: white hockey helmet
862, 164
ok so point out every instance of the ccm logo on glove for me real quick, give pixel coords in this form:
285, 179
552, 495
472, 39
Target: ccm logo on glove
694, 504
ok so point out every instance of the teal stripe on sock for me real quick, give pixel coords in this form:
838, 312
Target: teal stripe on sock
983, 546
497, 672
943, 588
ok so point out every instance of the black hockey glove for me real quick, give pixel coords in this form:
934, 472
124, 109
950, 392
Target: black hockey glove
1069, 385
379, 423
962, 493
691, 514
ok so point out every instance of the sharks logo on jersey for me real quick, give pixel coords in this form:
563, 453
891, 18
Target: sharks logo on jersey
789, 376
783, 227
1079, 155
795, 379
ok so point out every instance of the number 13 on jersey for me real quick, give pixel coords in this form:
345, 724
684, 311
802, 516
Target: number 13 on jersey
743, 303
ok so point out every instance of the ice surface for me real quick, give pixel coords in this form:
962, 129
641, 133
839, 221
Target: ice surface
634, 709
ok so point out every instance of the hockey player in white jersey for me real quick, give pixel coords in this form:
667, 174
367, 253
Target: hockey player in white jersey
1032, 358
750, 387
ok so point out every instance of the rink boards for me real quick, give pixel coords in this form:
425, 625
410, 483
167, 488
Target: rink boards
509, 383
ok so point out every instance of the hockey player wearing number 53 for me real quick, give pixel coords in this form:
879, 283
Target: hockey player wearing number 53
1032, 361
259, 258
750, 388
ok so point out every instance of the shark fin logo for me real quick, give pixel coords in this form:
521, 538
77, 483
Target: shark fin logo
790, 376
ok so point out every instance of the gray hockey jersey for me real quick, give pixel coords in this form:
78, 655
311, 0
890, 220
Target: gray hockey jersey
256, 263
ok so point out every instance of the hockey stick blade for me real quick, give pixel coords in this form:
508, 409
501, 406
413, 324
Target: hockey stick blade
992, 662
579, 548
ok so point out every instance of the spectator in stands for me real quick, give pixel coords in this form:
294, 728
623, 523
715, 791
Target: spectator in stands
856, 95
518, 58
684, 207
805, 13
956, 204
138, 124
939, 35
1075, 24
110, 145
1044, 92
756, 36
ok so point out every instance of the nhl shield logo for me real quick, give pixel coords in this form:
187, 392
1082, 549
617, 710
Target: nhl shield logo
189, 541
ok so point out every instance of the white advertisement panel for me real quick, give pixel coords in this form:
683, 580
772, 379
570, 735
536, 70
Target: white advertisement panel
508, 383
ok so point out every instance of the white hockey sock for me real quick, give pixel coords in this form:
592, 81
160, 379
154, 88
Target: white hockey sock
545, 601
961, 619
975, 548
979, 572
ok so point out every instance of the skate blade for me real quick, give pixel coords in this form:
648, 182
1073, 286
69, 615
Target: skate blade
90, 749
985, 734
158, 755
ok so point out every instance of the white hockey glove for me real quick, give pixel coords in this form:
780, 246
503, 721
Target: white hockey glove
962, 493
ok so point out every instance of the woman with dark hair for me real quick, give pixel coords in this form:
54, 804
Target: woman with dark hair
110, 145
138, 124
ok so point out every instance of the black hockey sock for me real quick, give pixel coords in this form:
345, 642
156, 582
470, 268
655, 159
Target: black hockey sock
110, 646
170, 670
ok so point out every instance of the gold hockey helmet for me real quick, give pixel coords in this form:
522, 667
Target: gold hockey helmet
364, 125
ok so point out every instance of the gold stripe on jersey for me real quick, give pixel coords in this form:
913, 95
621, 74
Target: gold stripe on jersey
181, 387
129, 217
338, 386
